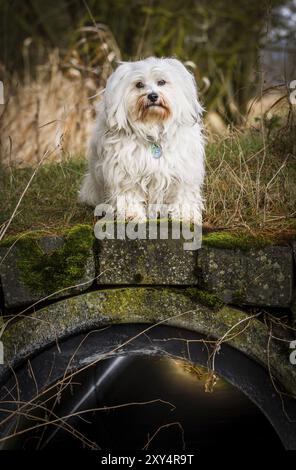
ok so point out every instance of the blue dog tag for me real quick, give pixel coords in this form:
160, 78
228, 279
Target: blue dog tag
156, 150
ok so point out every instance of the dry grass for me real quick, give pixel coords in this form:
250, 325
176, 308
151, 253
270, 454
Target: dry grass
248, 185
51, 113
50, 109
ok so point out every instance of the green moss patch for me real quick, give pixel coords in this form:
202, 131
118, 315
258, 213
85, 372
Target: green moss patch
47, 272
239, 296
204, 297
10, 240
229, 240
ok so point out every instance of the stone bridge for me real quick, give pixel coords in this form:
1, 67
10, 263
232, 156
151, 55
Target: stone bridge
153, 297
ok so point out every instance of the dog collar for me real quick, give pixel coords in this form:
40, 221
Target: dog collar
156, 150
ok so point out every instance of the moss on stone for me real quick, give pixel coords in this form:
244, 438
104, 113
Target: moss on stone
239, 296
204, 297
10, 240
123, 301
47, 272
144, 301
243, 241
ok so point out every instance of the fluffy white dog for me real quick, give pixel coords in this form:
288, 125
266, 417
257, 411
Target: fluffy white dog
147, 146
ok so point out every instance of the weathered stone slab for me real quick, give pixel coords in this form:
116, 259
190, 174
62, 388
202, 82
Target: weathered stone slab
33, 267
161, 252
158, 262
261, 277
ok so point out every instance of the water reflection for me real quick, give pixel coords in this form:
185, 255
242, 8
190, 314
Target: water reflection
171, 405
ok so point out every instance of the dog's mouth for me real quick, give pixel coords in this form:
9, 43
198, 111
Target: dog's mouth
154, 105
152, 110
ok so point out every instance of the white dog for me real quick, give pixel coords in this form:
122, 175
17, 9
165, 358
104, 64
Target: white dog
147, 146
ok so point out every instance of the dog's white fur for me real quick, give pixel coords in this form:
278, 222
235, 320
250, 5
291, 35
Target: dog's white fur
121, 165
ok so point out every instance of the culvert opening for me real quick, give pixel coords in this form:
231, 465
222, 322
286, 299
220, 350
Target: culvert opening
147, 396
157, 403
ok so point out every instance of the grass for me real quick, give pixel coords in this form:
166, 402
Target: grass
249, 185
51, 201
50, 113
247, 189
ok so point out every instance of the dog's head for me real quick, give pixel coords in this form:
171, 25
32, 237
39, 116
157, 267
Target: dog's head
151, 91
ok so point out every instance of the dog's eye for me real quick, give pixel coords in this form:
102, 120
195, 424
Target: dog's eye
140, 85
161, 82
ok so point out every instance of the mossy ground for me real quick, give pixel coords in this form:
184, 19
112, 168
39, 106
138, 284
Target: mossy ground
63, 267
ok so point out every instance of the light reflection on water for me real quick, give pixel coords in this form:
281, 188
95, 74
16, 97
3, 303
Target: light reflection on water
209, 411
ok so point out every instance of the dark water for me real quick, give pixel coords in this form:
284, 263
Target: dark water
198, 420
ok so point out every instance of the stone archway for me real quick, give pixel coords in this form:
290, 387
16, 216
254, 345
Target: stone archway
120, 321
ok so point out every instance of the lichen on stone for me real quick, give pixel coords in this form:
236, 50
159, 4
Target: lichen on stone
47, 272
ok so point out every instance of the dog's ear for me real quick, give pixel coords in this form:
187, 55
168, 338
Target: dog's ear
188, 85
113, 96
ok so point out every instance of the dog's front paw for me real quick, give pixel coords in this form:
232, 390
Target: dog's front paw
186, 214
194, 217
136, 217
134, 213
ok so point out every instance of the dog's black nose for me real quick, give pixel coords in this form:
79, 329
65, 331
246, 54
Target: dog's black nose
152, 97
